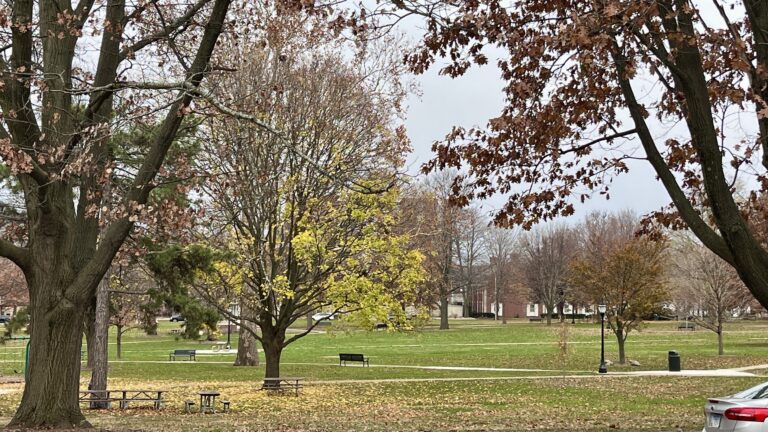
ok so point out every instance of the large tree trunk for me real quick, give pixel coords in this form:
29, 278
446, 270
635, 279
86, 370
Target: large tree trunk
98, 342
51, 392
443, 311
273, 341
272, 353
247, 349
549, 314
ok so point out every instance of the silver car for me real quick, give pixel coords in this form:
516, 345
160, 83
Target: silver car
743, 412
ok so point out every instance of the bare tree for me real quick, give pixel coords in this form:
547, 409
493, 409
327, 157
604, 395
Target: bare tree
445, 224
468, 245
499, 245
547, 252
710, 287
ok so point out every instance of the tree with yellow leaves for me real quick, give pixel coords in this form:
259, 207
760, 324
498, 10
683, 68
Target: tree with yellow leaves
304, 219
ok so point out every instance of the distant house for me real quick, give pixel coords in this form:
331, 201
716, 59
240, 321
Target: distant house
519, 306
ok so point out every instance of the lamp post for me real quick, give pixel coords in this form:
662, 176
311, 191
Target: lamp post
601, 310
229, 325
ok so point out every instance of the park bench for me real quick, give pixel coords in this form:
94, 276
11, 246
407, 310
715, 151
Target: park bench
534, 319
174, 331
687, 326
280, 384
344, 358
190, 354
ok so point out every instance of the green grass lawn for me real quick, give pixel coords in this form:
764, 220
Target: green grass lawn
559, 392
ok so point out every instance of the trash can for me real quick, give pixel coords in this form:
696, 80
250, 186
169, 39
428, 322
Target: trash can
674, 361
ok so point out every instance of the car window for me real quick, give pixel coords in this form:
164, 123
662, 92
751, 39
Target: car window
757, 392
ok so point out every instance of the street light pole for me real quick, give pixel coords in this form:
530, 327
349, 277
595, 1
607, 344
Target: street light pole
229, 325
601, 309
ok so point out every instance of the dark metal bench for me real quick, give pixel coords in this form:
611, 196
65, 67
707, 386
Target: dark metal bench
687, 326
190, 354
535, 319
344, 358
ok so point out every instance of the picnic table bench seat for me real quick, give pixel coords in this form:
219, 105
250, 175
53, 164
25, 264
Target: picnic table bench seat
345, 357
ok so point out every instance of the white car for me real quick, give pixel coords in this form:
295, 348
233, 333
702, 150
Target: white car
745, 411
323, 316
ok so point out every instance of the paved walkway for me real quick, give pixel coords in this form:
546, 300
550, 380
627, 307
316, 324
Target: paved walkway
555, 373
551, 374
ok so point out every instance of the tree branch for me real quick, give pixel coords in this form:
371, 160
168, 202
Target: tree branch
180, 23
19, 255
114, 235
702, 230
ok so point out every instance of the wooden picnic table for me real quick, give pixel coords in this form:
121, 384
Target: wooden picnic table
123, 396
208, 401
280, 383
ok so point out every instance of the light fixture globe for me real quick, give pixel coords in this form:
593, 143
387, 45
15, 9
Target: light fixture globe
601, 308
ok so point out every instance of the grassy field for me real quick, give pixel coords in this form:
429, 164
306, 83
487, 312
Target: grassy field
480, 375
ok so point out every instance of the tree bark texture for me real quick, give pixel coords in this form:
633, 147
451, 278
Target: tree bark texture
621, 338
444, 311
89, 327
98, 347
272, 353
720, 350
550, 308
247, 349
273, 342
50, 395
